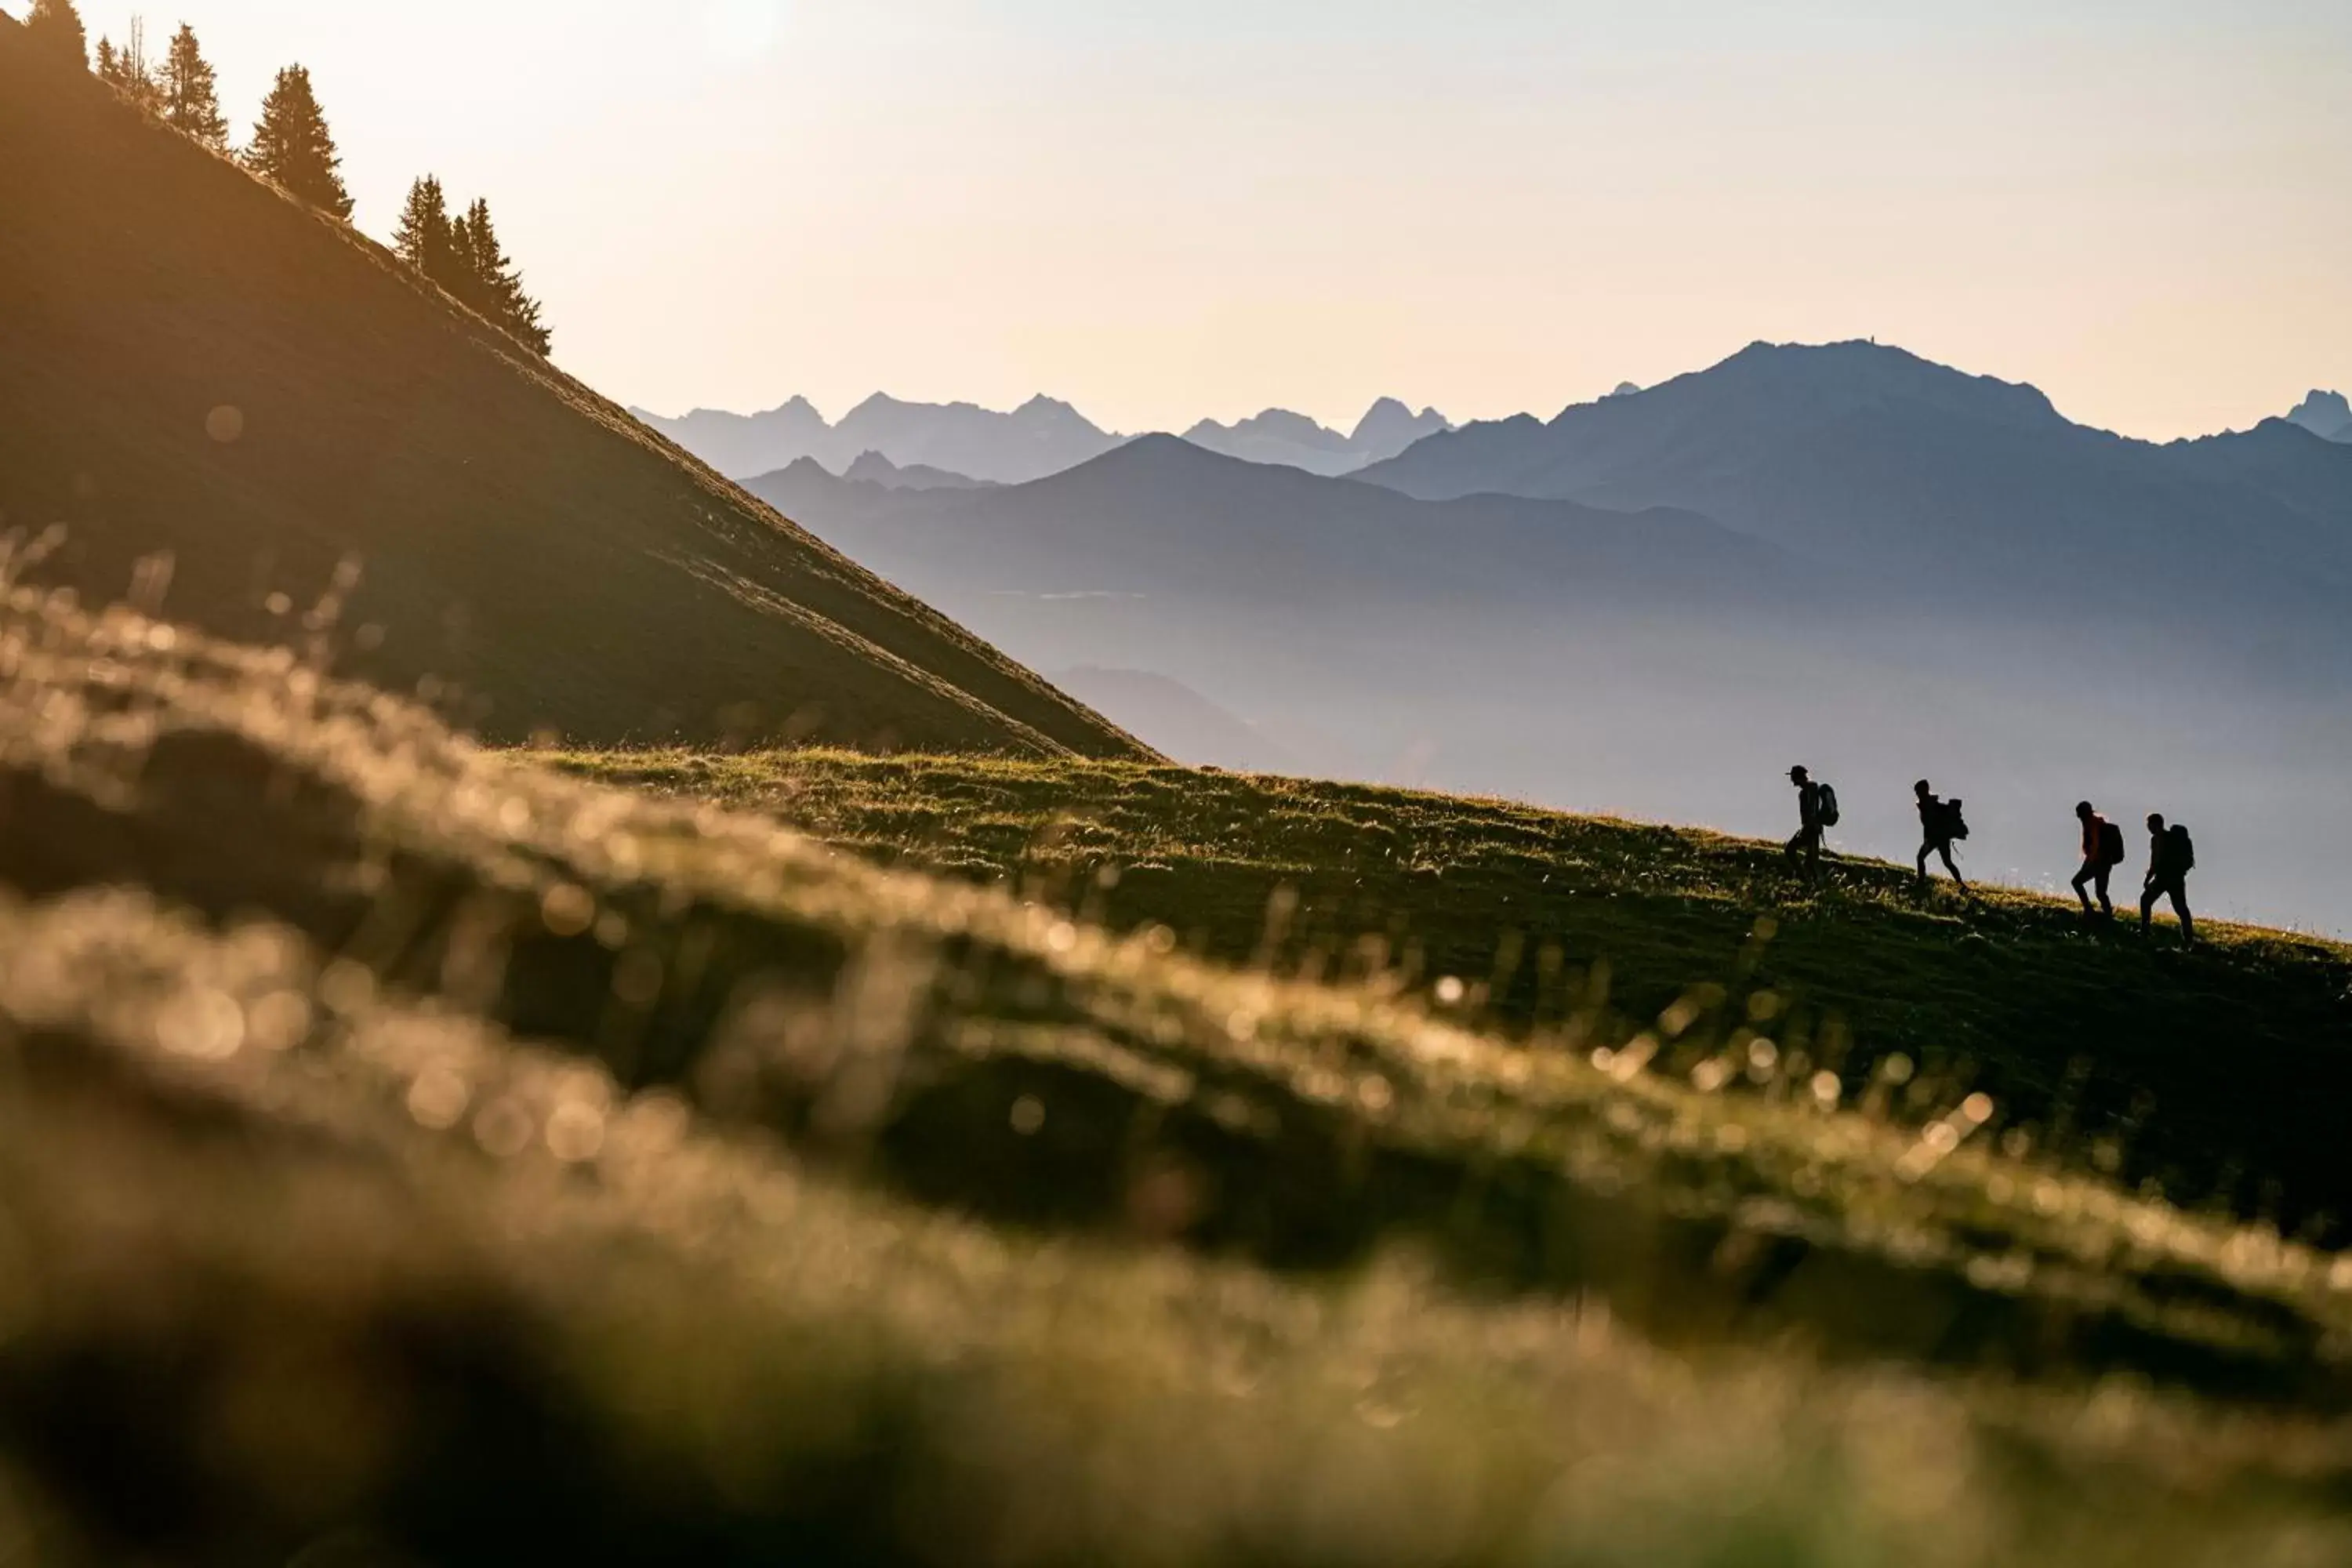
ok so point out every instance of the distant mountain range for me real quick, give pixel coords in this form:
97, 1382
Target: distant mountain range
1655, 603
1924, 479
935, 445
1163, 519
1042, 436
1293, 440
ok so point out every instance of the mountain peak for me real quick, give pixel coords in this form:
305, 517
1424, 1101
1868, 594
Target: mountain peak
2327, 415
1819, 378
1285, 426
1161, 447
1171, 458
1742, 411
1043, 407
1389, 425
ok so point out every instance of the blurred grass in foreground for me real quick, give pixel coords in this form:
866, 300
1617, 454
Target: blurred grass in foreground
433, 1159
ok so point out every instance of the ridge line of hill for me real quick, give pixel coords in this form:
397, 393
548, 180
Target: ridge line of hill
504, 514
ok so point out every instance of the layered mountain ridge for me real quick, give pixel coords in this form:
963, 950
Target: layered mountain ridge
1042, 437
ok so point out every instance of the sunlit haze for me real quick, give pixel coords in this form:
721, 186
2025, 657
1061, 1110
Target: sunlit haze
1162, 212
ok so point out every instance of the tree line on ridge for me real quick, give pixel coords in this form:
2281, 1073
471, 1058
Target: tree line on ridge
293, 148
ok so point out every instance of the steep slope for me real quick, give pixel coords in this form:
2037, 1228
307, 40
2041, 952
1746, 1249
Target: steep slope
195, 367
1909, 471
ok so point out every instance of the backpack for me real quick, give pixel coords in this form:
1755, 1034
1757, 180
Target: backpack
2184, 852
2111, 844
1829, 806
1955, 824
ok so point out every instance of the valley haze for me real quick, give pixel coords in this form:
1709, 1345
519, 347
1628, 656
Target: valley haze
1655, 603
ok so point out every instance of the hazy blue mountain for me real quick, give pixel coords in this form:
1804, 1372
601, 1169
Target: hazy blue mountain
1162, 517
1388, 427
1846, 557
1925, 479
1041, 436
2326, 415
1293, 440
1278, 436
739, 443
874, 468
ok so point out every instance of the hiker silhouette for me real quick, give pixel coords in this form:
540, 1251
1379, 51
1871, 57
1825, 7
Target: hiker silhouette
1941, 826
1811, 820
2102, 851
2170, 857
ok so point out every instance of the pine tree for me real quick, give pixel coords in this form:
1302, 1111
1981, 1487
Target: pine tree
428, 240
56, 26
496, 286
127, 71
191, 92
292, 145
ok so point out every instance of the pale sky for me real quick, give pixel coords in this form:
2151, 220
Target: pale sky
1162, 211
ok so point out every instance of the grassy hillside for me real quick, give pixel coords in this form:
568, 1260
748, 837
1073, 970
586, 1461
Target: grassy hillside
410, 1153
2216, 1073
200, 368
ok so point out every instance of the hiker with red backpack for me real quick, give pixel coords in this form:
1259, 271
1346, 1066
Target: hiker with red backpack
2172, 855
1941, 826
2102, 851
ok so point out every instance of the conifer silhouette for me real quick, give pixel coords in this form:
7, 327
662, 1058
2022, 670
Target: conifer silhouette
462, 255
191, 92
429, 241
292, 145
127, 71
56, 26
497, 289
